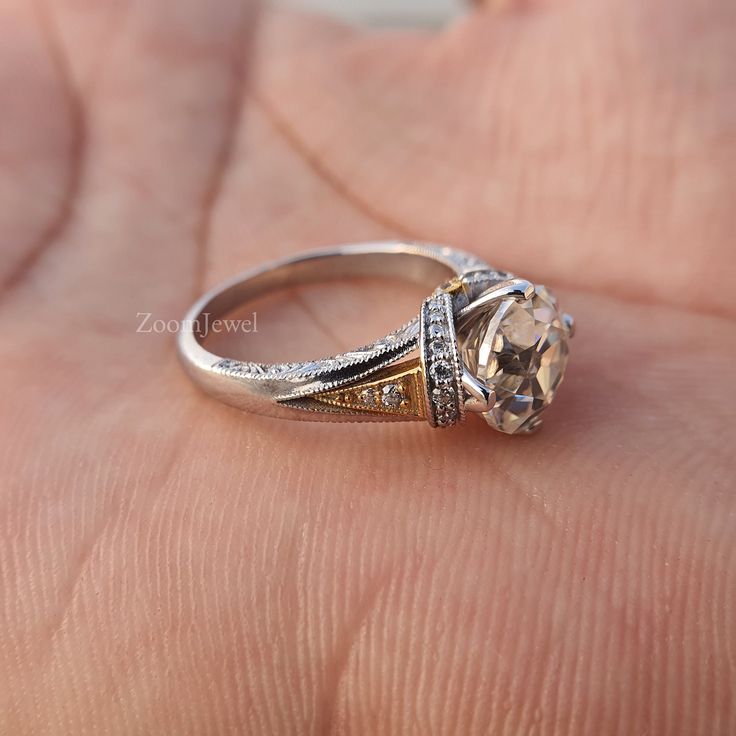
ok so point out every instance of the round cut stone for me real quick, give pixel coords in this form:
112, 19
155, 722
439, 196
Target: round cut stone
519, 349
443, 396
439, 348
369, 396
392, 396
441, 371
437, 332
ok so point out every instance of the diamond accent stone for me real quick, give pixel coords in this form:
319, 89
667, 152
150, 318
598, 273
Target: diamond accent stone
443, 397
369, 397
392, 396
441, 371
519, 348
446, 415
438, 348
437, 331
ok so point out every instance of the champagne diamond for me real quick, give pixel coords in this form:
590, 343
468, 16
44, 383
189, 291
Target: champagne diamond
369, 397
519, 349
392, 396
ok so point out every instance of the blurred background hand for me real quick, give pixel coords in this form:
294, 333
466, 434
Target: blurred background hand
172, 566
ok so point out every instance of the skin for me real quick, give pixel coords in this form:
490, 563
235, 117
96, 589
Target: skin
169, 565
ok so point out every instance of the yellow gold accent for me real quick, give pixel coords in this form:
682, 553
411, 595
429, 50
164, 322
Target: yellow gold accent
453, 286
397, 390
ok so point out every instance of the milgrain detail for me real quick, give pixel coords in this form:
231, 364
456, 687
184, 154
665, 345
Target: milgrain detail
441, 362
397, 391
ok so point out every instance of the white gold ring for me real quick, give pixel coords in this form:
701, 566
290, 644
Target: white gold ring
484, 342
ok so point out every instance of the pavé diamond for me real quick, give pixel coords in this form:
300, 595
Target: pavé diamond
519, 349
369, 396
392, 396
446, 417
437, 332
440, 360
438, 347
441, 371
443, 396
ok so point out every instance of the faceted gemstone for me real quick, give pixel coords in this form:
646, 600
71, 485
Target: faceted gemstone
439, 347
369, 396
519, 349
446, 417
437, 332
443, 396
441, 371
392, 396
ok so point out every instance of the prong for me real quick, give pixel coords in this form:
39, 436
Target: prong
479, 398
543, 289
532, 427
452, 286
569, 323
513, 288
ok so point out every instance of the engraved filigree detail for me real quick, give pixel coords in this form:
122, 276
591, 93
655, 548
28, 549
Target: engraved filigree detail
398, 344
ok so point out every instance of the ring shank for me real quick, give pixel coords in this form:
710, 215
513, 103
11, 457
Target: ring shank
322, 268
263, 388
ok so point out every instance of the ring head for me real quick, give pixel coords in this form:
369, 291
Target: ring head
518, 347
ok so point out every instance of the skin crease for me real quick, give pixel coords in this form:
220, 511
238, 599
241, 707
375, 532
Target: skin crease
171, 566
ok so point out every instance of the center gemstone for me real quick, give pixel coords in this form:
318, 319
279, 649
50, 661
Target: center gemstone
518, 348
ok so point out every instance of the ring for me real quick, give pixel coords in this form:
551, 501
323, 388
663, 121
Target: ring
484, 342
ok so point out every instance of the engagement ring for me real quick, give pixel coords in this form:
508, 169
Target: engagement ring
484, 342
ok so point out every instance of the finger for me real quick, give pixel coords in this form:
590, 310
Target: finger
159, 124
504, 5
473, 136
384, 578
276, 199
39, 141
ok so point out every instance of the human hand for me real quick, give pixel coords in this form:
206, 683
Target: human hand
170, 565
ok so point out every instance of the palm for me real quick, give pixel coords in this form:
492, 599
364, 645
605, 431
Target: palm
170, 565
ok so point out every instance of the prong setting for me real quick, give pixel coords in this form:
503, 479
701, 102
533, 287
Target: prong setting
569, 322
513, 342
512, 288
478, 397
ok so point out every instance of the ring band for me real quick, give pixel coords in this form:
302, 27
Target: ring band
487, 343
